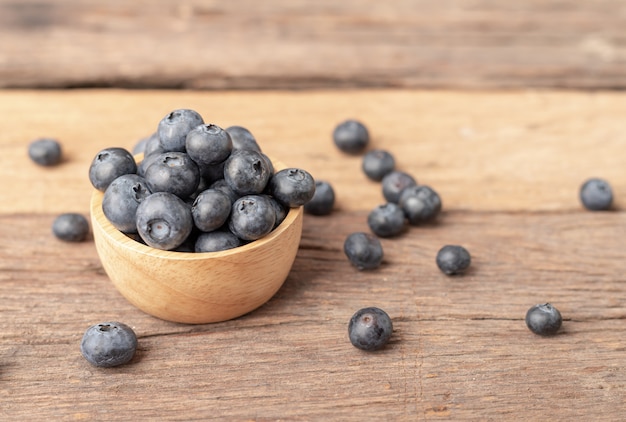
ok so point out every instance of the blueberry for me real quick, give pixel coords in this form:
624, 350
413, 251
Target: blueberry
453, 259
173, 172
387, 220
70, 227
370, 329
292, 187
394, 183
213, 172
377, 164
109, 344
221, 185
208, 145
280, 211
140, 146
252, 217
164, 221
210, 210
543, 319
153, 145
323, 199
215, 241
351, 136
242, 138
246, 172
174, 127
363, 250
121, 200
146, 162
596, 195
420, 204
45, 152
108, 165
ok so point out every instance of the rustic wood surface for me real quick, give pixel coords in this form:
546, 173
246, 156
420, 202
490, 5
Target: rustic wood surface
508, 167
326, 43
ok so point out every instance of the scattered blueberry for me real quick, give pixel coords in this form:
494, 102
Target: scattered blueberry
252, 217
242, 138
292, 187
596, 195
543, 319
394, 183
108, 165
174, 127
246, 172
219, 240
387, 220
363, 250
173, 172
453, 259
210, 210
420, 203
208, 145
45, 152
71, 227
121, 200
164, 221
323, 199
351, 136
377, 164
109, 344
370, 329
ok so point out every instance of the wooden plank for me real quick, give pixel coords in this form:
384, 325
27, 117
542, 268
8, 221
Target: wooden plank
460, 349
526, 151
300, 44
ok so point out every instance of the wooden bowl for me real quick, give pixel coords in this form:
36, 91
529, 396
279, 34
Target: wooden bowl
196, 288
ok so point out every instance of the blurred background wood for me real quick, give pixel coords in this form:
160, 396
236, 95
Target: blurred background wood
247, 44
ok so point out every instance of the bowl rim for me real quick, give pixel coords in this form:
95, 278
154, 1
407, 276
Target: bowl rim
117, 237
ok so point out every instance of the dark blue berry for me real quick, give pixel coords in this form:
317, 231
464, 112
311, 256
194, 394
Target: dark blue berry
121, 200
377, 164
140, 146
351, 136
71, 227
45, 152
153, 145
108, 165
394, 183
453, 259
323, 199
370, 329
164, 221
420, 204
242, 138
210, 210
246, 172
174, 127
543, 319
214, 172
252, 217
280, 210
215, 241
173, 172
221, 185
387, 220
292, 187
208, 145
109, 344
363, 250
596, 195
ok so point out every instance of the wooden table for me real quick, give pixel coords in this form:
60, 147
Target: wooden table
508, 166
506, 150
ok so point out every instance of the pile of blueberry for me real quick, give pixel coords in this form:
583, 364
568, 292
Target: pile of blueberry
198, 188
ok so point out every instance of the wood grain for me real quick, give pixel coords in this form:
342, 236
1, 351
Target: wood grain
300, 44
460, 349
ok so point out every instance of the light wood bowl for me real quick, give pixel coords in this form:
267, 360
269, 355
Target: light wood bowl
197, 288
